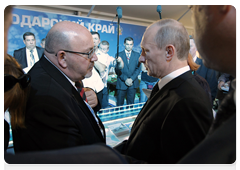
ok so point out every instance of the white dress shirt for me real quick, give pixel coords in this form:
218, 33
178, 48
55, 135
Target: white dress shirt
35, 54
162, 82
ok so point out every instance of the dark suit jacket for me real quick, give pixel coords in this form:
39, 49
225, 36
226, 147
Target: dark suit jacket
217, 148
173, 121
20, 55
204, 84
56, 115
89, 154
210, 75
130, 70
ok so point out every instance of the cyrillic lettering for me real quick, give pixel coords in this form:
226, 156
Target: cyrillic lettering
90, 27
45, 21
36, 21
53, 20
111, 29
28, 23
98, 27
17, 19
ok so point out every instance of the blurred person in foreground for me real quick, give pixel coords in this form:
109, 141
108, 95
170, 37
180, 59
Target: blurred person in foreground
16, 91
178, 114
208, 74
215, 38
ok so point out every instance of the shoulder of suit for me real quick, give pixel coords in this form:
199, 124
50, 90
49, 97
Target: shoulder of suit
20, 49
135, 52
39, 48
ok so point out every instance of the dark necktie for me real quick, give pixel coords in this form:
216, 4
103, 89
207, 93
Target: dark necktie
225, 111
80, 89
154, 90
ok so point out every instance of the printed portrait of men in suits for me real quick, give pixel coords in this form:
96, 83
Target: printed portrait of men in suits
127, 81
30, 54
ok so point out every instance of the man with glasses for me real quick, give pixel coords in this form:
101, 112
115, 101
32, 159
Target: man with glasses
95, 81
56, 115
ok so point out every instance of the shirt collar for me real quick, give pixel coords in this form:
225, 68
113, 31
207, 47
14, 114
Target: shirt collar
162, 82
128, 51
32, 49
72, 82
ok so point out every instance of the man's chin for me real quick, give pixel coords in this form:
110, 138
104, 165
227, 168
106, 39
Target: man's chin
88, 74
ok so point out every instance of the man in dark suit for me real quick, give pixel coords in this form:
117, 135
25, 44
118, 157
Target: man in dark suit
216, 42
178, 114
29, 55
56, 115
127, 81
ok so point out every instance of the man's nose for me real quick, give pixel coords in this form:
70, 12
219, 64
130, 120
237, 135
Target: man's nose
142, 59
94, 58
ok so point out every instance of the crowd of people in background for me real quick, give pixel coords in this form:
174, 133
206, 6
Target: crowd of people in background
66, 84
133, 76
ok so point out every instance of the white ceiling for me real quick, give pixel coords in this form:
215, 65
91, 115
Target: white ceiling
146, 12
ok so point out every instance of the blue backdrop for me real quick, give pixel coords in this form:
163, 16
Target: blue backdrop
40, 23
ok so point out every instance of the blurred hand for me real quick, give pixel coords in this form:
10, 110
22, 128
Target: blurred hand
120, 63
220, 84
91, 97
129, 82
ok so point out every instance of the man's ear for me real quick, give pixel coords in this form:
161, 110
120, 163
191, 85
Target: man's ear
61, 57
170, 50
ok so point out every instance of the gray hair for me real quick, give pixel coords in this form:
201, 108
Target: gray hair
172, 32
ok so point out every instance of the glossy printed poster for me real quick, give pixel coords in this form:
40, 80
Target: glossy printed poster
40, 23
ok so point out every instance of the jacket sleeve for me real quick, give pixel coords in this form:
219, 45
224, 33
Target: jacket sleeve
137, 68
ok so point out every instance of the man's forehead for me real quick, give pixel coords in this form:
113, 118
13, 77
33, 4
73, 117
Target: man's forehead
95, 36
104, 46
29, 37
129, 42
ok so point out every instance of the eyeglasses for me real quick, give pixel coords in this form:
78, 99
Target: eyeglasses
90, 53
10, 81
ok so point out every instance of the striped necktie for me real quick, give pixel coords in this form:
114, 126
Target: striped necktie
80, 89
32, 60
128, 57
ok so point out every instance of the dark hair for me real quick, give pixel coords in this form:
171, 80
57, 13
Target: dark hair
93, 33
43, 40
104, 42
16, 98
27, 34
128, 39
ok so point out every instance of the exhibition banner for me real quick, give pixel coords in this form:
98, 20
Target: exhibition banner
40, 23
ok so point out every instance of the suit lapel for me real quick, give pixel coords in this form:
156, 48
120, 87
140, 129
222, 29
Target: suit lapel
131, 59
156, 98
125, 60
24, 58
61, 79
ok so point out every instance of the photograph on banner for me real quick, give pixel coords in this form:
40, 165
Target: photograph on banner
39, 23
